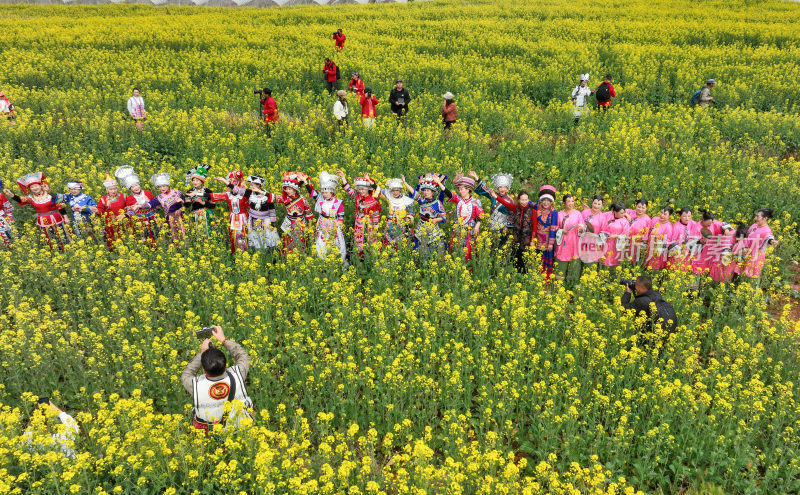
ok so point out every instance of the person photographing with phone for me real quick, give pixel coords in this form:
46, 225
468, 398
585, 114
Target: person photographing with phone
218, 384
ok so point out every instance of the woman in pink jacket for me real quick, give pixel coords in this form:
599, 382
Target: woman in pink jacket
589, 246
570, 220
730, 243
710, 253
639, 222
759, 238
617, 228
685, 235
659, 238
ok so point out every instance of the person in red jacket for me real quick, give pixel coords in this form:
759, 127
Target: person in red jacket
338, 39
368, 108
331, 75
270, 109
356, 84
604, 93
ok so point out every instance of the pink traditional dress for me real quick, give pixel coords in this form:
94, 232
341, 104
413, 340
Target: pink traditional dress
590, 249
568, 249
755, 245
711, 251
659, 239
685, 236
722, 269
639, 234
367, 214
616, 247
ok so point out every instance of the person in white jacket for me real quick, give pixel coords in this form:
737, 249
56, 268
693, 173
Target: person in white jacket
136, 109
580, 97
63, 440
340, 110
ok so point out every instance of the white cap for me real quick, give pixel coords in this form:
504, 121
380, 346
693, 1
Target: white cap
448, 96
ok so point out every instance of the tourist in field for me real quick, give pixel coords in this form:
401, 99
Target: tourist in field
499, 215
759, 239
340, 108
399, 98
468, 214
368, 210
400, 215
7, 110
591, 245
49, 218
198, 199
261, 215
238, 205
62, 440
112, 209
218, 384
580, 97
639, 231
645, 301
338, 40
137, 203
428, 235
449, 110
604, 93
567, 255
136, 109
616, 229
270, 110
330, 219
331, 75
299, 214
705, 97
523, 217
369, 104
356, 85
6, 218
659, 239
82, 206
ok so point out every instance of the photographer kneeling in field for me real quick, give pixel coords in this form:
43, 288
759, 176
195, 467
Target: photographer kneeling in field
645, 295
218, 384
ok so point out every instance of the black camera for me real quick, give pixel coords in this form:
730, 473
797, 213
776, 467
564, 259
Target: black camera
258, 92
204, 333
631, 284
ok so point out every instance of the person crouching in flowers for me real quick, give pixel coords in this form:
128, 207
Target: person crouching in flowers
40, 436
499, 215
468, 213
48, 217
6, 218
401, 213
570, 221
262, 234
759, 239
331, 217
198, 199
143, 217
238, 205
616, 230
639, 229
428, 235
368, 210
82, 206
298, 209
171, 201
111, 209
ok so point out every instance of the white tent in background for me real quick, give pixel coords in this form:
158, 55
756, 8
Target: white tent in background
260, 3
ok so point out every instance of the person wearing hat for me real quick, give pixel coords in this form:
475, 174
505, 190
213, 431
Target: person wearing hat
238, 205
48, 215
198, 198
82, 206
580, 97
499, 214
330, 211
401, 212
298, 209
399, 98
449, 110
356, 85
7, 109
338, 40
171, 201
369, 104
112, 208
428, 194
705, 93
340, 109
262, 234
523, 216
143, 217
368, 209
136, 109
331, 75
468, 213
6, 218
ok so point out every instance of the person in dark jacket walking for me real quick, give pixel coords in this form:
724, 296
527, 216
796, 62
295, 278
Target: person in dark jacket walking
399, 98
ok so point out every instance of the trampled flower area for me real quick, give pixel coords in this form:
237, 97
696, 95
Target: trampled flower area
397, 369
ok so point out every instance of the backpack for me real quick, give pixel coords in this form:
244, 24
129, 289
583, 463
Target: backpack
695, 97
338, 74
603, 92
666, 315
